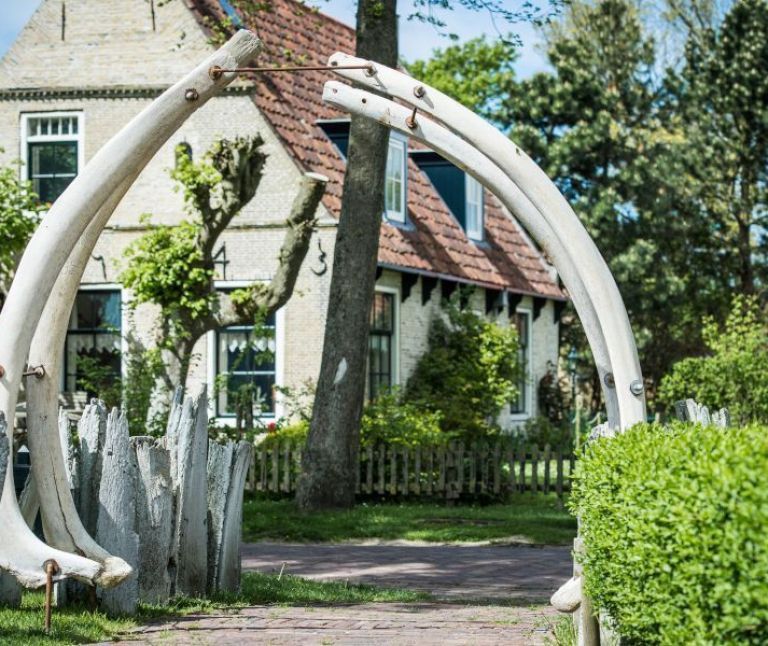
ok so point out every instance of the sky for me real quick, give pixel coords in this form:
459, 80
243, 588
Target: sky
417, 40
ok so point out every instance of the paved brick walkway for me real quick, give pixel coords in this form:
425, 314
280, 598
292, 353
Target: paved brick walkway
376, 623
454, 572
459, 576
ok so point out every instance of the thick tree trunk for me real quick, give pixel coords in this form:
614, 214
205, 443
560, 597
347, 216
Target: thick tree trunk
328, 472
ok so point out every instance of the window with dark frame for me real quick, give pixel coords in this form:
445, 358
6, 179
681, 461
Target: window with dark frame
93, 337
521, 404
380, 344
245, 357
52, 153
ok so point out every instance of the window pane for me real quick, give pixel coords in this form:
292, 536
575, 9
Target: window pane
96, 311
248, 364
52, 166
380, 354
522, 322
382, 312
394, 203
93, 345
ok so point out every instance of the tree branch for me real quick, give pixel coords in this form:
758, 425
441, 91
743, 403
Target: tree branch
271, 297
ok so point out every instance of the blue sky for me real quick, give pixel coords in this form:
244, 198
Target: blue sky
416, 40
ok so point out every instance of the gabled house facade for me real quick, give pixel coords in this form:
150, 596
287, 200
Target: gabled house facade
82, 69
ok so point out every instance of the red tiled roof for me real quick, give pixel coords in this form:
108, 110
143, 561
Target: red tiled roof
436, 244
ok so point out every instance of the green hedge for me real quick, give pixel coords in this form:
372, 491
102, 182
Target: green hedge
675, 523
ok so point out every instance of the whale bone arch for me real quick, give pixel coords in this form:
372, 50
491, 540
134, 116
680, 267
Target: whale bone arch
110, 172
575, 256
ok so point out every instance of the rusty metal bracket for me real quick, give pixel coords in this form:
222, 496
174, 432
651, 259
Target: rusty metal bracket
216, 72
51, 568
411, 121
37, 371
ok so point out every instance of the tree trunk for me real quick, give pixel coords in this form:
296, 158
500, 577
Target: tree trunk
328, 471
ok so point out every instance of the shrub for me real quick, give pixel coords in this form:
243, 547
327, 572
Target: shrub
734, 374
674, 523
542, 431
386, 420
392, 421
468, 374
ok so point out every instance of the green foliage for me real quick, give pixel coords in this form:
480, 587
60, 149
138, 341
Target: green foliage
18, 219
475, 73
165, 267
673, 520
143, 367
387, 420
99, 380
733, 374
468, 374
542, 431
390, 420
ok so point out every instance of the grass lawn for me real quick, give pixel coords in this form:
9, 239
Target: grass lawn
530, 518
74, 625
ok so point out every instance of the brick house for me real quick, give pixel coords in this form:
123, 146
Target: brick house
80, 70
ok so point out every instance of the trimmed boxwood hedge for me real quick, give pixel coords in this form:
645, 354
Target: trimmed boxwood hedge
675, 525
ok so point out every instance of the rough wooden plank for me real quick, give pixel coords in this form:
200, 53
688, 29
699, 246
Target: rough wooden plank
442, 467
430, 468
473, 455
275, 473
262, 468
559, 485
91, 431
484, 467
510, 463
392, 470
116, 522
190, 546
369, 470
547, 458
460, 449
172, 431
406, 471
417, 471
521, 460
381, 462
219, 472
534, 469
154, 518
496, 468
228, 574
286, 487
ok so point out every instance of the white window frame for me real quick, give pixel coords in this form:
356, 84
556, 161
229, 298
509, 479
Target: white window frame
100, 287
474, 198
212, 350
526, 414
25, 139
400, 142
395, 336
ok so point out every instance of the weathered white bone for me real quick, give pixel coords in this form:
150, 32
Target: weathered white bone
219, 474
4, 451
616, 357
568, 596
62, 525
21, 553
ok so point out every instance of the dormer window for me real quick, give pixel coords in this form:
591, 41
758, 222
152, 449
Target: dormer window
395, 184
473, 191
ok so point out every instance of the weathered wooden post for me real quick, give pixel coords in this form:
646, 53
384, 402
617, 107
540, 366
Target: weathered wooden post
154, 518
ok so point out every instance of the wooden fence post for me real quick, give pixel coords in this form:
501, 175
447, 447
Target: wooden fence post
116, 523
154, 518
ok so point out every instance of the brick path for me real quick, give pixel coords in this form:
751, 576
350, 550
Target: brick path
454, 574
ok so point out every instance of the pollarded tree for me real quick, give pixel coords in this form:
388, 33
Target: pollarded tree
173, 267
